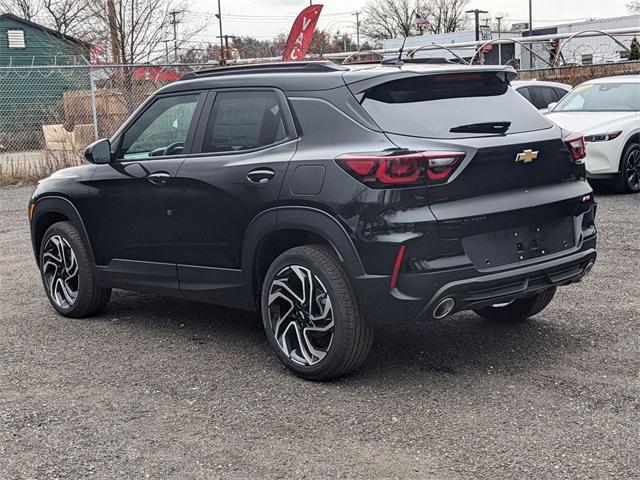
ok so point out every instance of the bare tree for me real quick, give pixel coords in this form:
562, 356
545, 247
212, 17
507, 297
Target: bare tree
26, 9
68, 17
444, 16
634, 6
385, 19
136, 29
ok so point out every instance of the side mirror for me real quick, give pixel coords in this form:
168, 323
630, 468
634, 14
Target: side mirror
99, 152
552, 105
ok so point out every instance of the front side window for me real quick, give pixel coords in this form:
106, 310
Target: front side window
242, 121
161, 130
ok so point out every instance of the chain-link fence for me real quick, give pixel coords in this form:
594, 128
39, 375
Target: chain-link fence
49, 114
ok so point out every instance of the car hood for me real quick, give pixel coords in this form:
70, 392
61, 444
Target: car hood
590, 122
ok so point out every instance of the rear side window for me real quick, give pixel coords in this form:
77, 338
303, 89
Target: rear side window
543, 96
451, 106
524, 91
244, 121
561, 93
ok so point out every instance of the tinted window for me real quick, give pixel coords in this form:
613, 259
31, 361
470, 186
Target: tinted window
524, 91
543, 96
244, 121
161, 129
561, 93
432, 105
602, 97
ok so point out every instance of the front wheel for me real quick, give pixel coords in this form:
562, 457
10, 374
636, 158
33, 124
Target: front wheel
311, 315
518, 310
629, 181
68, 273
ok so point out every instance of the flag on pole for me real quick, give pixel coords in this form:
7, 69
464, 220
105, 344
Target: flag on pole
301, 34
420, 18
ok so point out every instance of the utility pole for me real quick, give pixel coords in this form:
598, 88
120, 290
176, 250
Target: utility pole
357, 14
499, 19
113, 33
226, 41
166, 50
219, 15
174, 21
477, 13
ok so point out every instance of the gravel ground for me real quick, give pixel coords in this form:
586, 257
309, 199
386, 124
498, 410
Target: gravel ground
162, 388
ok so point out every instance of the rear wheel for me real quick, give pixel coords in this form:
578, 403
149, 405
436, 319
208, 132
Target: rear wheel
629, 181
311, 315
518, 310
68, 273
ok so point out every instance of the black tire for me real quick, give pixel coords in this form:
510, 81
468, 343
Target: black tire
629, 179
90, 299
519, 310
352, 335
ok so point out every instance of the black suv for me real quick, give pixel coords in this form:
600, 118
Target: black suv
328, 198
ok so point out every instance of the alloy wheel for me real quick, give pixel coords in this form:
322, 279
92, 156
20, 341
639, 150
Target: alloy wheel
301, 315
632, 170
60, 271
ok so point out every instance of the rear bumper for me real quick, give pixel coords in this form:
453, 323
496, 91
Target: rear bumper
417, 295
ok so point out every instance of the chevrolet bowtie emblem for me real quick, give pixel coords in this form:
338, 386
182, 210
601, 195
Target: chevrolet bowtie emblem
527, 156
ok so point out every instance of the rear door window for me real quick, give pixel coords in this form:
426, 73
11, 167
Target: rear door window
431, 106
243, 121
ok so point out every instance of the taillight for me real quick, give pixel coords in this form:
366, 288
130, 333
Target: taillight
577, 148
400, 169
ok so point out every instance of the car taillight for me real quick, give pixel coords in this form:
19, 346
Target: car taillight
400, 169
577, 148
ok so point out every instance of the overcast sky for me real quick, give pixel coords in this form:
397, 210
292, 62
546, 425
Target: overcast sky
266, 18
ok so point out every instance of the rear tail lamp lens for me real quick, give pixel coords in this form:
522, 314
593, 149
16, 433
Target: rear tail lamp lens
401, 169
577, 148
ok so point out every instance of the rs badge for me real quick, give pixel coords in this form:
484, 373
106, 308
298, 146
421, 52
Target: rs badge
527, 156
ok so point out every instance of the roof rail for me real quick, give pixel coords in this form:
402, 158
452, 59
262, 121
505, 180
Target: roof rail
277, 67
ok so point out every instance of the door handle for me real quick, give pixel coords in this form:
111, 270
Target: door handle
260, 175
159, 178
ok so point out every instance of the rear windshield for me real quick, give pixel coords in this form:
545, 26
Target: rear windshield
458, 105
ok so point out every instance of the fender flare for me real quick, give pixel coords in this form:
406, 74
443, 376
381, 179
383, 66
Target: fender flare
309, 219
63, 206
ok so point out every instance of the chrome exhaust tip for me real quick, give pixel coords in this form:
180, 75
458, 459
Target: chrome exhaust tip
444, 308
587, 269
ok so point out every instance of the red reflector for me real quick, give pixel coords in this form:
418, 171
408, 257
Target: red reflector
396, 267
577, 148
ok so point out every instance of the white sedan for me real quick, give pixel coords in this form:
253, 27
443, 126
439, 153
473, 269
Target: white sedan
607, 112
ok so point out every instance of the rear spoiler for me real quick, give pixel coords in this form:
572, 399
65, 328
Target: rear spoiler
362, 80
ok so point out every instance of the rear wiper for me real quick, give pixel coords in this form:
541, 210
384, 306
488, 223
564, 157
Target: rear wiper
499, 128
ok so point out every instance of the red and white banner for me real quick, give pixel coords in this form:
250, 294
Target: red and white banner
301, 34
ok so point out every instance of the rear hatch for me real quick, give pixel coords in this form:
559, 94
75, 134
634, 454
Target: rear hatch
515, 189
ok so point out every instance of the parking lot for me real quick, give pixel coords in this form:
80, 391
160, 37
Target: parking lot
162, 388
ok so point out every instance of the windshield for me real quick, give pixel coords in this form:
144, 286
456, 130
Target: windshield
602, 97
